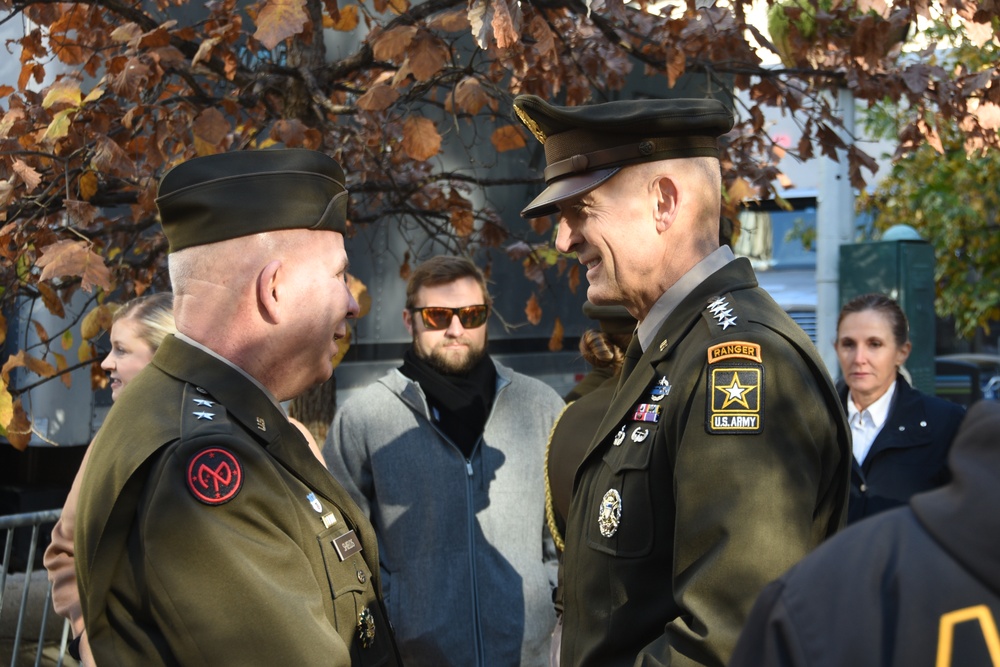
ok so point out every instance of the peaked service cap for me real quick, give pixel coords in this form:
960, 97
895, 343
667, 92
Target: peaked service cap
587, 145
229, 195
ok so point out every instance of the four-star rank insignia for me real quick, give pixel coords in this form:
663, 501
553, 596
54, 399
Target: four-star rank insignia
735, 400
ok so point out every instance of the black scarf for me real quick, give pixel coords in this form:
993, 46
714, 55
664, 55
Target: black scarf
459, 404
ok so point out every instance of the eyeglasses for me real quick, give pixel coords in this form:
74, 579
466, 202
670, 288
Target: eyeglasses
437, 318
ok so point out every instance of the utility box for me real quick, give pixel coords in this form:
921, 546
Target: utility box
903, 269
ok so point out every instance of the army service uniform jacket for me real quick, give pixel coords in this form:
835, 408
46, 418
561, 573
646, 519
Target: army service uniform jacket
723, 459
209, 534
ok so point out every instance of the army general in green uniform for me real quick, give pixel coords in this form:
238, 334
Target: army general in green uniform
724, 457
208, 533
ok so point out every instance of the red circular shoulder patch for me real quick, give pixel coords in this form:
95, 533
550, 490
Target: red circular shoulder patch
214, 476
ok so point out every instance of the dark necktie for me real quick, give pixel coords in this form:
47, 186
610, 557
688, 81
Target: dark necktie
632, 355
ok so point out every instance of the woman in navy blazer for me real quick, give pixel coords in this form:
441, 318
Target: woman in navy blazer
901, 436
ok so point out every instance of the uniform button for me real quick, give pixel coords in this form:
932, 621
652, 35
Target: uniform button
864, 487
902, 428
924, 424
361, 577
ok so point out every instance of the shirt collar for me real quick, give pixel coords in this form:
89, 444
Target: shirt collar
878, 411
221, 358
670, 299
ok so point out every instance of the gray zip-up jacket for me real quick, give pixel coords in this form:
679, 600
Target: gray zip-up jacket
467, 563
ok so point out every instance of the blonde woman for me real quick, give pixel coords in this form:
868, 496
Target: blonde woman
137, 329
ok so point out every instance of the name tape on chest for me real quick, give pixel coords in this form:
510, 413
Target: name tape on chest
735, 400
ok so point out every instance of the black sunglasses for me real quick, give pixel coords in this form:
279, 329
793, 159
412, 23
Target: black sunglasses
437, 318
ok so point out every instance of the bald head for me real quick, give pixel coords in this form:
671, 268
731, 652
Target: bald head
273, 303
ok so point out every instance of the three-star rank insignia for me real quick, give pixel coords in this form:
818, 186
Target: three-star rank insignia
735, 400
214, 475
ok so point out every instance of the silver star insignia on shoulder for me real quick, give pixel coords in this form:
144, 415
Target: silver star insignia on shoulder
204, 415
722, 313
204, 401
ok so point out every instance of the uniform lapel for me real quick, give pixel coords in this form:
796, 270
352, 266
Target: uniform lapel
266, 422
735, 275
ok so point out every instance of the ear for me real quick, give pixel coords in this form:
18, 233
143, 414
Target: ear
408, 320
904, 352
665, 199
269, 292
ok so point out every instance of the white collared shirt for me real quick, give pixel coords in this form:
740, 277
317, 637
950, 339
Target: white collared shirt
866, 424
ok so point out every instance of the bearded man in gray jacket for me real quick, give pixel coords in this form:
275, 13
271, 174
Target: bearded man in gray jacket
446, 456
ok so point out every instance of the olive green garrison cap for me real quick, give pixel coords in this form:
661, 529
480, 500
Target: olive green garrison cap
229, 195
587, 145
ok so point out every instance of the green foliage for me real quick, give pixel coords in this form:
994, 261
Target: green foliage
953, 201
946, 188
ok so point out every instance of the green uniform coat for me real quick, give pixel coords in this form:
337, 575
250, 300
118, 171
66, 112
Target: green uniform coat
725, 474
206, 532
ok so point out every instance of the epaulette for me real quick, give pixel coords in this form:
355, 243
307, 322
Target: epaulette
202, 414
720, 315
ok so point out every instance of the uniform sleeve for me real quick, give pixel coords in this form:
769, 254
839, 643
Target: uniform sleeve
234, 583
769, 636
59, 559
749, 500
346, 453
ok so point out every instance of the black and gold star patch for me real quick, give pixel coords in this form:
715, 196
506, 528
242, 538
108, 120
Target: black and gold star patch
735, 400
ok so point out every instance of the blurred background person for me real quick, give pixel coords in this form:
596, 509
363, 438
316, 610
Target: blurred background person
445, 454
137, 329
604, 349
900, 435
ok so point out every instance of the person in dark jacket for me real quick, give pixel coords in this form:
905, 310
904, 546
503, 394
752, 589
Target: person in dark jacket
900, 435
916, 585
724, 456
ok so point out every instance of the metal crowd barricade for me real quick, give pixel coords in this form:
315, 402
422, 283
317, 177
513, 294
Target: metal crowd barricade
34, 521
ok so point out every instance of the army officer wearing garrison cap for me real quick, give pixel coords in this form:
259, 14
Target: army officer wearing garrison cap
724, 456
208, 533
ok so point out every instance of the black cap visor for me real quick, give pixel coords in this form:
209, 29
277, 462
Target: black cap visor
566, 188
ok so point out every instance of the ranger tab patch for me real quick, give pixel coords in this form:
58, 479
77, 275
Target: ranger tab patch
735, 400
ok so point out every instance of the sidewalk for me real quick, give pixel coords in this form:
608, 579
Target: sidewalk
37, 589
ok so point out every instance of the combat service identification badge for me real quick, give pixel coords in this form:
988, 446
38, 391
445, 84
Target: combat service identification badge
735, 400
366, 628
610, 513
